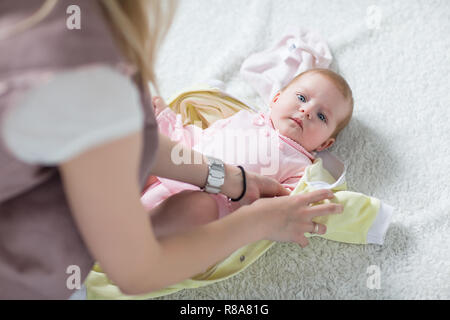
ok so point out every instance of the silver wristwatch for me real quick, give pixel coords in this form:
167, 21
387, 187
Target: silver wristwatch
216, 175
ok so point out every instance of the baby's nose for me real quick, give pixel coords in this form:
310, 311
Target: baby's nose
305, 114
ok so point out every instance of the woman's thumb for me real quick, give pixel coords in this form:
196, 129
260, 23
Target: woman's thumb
274, 189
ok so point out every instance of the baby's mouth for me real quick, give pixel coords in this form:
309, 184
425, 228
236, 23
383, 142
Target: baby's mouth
298, 121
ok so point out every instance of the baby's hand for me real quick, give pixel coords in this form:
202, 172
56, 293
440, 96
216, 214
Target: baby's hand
158, 105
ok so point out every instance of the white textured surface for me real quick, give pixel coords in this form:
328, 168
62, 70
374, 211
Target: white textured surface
397, 146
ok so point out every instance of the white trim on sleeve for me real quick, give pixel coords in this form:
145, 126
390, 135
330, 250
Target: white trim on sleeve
379, 227
73, 112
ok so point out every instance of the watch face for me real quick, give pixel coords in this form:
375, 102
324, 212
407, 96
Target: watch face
216, 175
217, 162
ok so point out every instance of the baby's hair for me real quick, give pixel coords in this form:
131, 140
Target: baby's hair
341, 85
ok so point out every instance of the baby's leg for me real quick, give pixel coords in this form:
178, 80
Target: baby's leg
183, 211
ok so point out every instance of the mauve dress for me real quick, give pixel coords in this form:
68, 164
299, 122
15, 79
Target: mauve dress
38, 235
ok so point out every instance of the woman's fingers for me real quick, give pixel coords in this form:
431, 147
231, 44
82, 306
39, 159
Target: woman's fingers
272, 188
303, 242
316, 196
325, 209
321, 228
322, 209
282, 191
261, 187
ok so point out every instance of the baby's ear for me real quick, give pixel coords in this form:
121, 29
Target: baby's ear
275, 99
326, 144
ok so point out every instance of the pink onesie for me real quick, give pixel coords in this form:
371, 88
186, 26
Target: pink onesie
246, 138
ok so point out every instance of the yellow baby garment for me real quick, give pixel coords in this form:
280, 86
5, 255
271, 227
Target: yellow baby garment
357, 222
364, 219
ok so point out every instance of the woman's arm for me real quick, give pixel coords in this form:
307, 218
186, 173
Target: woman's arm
196, 174
103, 191
192, 172
102, 188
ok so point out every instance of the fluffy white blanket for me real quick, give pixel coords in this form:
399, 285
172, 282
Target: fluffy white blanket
395, 56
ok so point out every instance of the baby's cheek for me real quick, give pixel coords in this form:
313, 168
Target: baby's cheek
278, 109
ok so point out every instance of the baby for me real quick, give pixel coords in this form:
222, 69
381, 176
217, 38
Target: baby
304, 117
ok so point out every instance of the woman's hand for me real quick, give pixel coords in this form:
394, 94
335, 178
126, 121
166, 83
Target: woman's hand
257, 186
286, 219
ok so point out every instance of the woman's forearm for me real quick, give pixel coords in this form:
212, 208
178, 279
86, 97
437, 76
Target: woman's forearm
165, 166
193, 169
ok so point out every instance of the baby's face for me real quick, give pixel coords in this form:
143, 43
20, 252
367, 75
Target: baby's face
309, 110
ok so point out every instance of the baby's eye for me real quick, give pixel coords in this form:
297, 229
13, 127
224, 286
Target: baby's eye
301, 97
322, 117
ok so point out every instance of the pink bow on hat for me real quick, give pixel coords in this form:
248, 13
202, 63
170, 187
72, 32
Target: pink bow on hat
299, 50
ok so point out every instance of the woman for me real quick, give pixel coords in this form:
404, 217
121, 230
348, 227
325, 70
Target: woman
78, 142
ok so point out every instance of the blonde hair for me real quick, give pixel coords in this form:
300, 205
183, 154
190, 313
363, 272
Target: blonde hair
342, 85
138, 26
138, 35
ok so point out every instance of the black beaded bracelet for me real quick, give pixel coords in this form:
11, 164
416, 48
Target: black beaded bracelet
245, 185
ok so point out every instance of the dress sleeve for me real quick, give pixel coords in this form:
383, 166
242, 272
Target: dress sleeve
71, 113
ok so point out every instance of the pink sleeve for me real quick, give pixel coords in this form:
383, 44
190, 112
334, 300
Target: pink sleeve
171, 125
